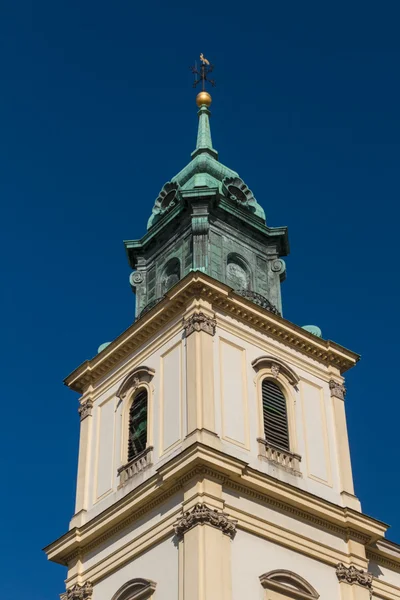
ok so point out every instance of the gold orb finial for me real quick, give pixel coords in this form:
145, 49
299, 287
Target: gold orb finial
203, 98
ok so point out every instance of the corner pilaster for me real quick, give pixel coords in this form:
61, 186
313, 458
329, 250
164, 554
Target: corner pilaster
199, 324
85, 412
338, 393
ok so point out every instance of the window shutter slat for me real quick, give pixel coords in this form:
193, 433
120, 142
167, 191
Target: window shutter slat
275, 414
137, 425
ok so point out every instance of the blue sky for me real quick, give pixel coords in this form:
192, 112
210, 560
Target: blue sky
97, 112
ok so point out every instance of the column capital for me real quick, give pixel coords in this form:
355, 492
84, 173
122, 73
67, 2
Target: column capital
85, 409
353, 575
338, 390
199, 321
78, 591
201, 514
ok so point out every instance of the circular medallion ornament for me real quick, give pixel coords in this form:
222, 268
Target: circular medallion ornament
135, 278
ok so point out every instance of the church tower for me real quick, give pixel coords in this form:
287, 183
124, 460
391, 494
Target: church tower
214, 460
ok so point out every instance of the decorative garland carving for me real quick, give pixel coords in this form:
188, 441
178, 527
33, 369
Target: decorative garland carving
78, 591
85, 409
199, 322
353, 575
337, 389
201, 514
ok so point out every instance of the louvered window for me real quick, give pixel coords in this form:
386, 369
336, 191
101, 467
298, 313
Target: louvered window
275, 415
137, 425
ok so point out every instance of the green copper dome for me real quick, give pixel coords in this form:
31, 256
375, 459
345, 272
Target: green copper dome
206, 218
205, 171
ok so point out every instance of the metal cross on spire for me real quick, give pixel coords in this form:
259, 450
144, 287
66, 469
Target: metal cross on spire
201, 75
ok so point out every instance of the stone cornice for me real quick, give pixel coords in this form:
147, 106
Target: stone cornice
201, 514
197, 284
236, 475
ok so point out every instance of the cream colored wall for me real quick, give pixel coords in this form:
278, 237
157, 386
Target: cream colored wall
236, 406
385, 574
253, 556
168, 422
160, 565
313, 431
281, 525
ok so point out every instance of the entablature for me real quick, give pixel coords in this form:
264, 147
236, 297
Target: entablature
236, 475
201, 286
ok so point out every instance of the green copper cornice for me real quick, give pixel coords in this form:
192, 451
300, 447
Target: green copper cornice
203, 164
204, 143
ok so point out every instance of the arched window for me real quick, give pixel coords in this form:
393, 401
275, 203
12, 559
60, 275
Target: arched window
137, 438
136, 589
171, 275
237, 273
286, 584
275, 418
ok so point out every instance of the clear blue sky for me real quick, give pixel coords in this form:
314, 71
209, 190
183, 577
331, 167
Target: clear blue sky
96, 114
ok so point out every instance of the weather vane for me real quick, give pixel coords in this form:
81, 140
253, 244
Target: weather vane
201, 75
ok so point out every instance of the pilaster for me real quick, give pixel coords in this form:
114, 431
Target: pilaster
338, 393
199, 325
85, 413
206, 534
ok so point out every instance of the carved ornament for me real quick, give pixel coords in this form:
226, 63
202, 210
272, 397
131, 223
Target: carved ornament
134, 379
201, 514
199, 322
237, 191
353, 575
277, 367
337, 389
82, 591
136, 278
167, 198
85, 409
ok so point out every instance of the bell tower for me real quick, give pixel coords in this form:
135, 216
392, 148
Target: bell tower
214, 460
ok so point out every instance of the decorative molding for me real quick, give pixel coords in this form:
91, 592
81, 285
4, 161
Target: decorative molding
166, 199
201, 514
200, 285
353, 575
283, 458
85, 409
136, 278
277, 367
134, 379
289, 584
78, 591
136, 589
278, 265
199, 322
236, 190
138, 464
338, 390
258, 299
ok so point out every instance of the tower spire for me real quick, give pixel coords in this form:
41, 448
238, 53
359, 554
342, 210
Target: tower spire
203, 101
